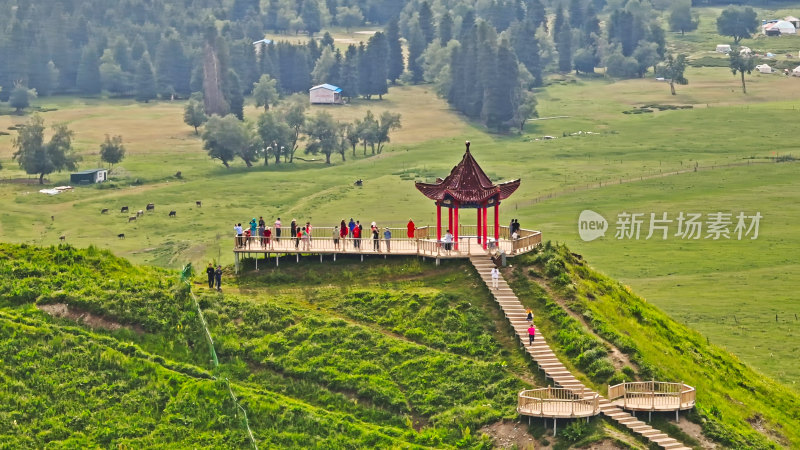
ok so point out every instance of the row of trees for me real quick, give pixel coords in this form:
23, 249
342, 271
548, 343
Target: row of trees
37, 157
278, 133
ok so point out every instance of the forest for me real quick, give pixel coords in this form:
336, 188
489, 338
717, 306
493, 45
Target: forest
484, 57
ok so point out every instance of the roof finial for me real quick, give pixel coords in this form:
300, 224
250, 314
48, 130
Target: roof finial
467, 146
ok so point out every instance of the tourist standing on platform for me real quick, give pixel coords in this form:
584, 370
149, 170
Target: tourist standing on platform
238, 230
267, 236
247, 236
218, 277
495, 277
306, 239
343, 233
387, 237
261, 222
376, 241
260, 232
411, 228
278, 230
357, 237
308, 230
336, 237
511, 227
253, 226
293, 227
298, 234
350, 226
360, 231
210, 273
448, 241
531, 334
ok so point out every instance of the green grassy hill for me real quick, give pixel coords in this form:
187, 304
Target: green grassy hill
395, 353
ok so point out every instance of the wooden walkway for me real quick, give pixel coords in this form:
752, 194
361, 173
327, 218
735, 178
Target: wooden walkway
553, 368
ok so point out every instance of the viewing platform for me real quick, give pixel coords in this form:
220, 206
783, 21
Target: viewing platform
323, 243
652, 396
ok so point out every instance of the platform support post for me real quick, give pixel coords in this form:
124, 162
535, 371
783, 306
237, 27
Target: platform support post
555, 426
334, 257
256, 264
236, 261
362, 257
437, 262
649, 416
676, 415
277, 260
298, 257
320, 257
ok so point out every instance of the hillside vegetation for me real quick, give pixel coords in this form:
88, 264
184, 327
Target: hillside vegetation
393, 353
737, 406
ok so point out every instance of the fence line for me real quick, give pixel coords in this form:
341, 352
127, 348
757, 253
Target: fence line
186, 275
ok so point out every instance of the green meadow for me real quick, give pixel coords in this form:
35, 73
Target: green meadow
599, 159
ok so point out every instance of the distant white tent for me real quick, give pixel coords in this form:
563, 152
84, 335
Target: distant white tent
796, 71
764, 68
745, 51
781, 25
723, 48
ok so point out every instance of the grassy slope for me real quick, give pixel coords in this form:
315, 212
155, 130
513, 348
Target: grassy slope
391, 353
730, 394
388, 355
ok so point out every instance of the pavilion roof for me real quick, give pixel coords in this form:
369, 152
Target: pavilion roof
467, 184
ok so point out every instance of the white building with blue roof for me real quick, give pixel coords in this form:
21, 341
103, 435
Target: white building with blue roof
325, 94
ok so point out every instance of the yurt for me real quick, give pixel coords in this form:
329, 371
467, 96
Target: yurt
764, 68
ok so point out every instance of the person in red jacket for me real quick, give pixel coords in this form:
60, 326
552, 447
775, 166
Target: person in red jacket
411, 228
357, 237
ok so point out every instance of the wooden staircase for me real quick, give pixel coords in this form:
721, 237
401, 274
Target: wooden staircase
553, 368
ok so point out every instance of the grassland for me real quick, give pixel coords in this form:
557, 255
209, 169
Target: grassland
398, 353
730, 291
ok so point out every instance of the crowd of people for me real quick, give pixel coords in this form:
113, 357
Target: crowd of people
259, 232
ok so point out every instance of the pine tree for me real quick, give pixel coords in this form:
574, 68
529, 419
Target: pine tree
396, 59
535, 13
364, 71
88, 80
426, 24
234, 95
146, 87
445, 28
416, 45
378, 57
174, 68
312, 16
526, 46
349, 73
558, 24
576, 12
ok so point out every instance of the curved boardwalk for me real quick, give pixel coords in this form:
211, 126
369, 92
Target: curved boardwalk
553, 368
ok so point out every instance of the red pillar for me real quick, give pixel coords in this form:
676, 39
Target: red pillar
438, 221
485, 224
497, 221
455, 224
480, 222
450, 219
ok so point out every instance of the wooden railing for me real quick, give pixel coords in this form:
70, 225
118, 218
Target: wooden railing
423, 243
653, 395
557, 402
527, 240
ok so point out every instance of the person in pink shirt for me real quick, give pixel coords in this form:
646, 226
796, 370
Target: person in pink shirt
531, 333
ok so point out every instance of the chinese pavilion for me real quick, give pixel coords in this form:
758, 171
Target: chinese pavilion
467, 186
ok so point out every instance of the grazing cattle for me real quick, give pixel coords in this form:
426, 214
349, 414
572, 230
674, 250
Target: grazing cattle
151, 206
123, 209
52, 218
359, 182
63, 237
139, 213
104, 211
121, 235
198, 203
173, 214
131, 218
